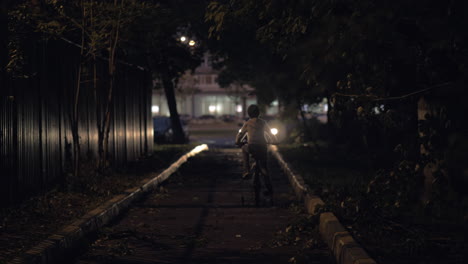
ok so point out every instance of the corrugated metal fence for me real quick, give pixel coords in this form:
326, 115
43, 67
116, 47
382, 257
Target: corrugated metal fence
35, 133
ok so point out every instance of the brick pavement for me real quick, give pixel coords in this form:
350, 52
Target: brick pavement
197, 217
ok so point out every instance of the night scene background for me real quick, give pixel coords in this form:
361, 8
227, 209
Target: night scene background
367, 98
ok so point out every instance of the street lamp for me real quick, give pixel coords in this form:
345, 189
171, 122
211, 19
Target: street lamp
191, 43
183, 39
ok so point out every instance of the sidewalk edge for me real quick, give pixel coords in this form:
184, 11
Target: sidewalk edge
345, 249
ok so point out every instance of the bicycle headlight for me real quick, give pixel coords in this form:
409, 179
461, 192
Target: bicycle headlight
274, 131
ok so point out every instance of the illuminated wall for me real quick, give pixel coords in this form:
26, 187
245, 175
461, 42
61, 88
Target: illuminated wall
200, 104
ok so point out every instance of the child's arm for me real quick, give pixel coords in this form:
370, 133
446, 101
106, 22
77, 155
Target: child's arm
241, 134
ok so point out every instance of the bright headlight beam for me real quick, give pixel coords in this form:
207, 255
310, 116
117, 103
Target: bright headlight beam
274, 131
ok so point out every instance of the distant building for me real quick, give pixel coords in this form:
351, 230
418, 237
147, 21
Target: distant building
199, 94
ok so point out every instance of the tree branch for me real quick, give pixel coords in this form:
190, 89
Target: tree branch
376, 99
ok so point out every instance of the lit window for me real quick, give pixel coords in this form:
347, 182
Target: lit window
212, 108
239, 108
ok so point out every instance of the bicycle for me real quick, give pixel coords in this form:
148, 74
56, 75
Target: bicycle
257, 178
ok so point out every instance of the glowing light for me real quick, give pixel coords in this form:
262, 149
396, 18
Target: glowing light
212, 108
274, 131
199, 149
155, 109
191, 43
240, 130
376, 110
219, 108
325, 107
194, 151
239, 108
183, 38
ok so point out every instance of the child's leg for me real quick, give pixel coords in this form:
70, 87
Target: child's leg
263, 155
245, 160
266, 177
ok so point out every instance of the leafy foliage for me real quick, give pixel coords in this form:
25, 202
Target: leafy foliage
106, 34
372, 60
302, 233
380, 208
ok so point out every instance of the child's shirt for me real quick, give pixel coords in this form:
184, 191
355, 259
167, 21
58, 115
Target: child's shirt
255, 129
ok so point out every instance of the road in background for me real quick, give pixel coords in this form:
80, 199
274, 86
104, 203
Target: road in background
215, 134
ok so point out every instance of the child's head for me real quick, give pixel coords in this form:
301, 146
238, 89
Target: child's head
253, 111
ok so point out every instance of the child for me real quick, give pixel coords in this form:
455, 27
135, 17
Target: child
256, 128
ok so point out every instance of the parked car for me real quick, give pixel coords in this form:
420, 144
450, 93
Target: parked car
163, 132
207, 117
185, 118
228, 118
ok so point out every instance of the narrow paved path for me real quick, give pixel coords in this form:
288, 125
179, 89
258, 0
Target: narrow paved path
197, 217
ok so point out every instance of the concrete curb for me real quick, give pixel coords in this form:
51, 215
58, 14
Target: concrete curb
57, 246
297, 182
338, 239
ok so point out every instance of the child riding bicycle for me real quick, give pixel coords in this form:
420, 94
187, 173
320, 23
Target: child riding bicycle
257, 131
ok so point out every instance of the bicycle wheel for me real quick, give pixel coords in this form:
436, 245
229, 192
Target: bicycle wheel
242, 191
257, 185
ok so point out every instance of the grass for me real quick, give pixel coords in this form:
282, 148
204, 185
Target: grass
325, 168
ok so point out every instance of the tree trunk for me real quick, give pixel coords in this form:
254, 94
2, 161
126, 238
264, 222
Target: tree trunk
331, 131
3, 44
106, 123
428, 170
307, 135
107, 120
244, 107
179, 136
74, 126
74, 120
